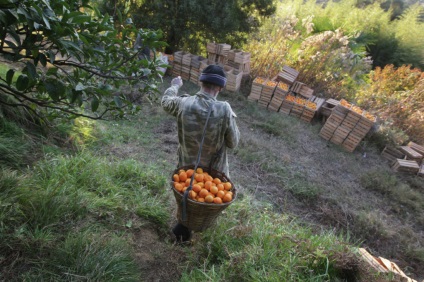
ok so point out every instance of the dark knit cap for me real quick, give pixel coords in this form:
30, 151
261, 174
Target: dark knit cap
214, 74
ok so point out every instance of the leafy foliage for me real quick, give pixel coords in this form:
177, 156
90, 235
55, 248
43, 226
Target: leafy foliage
397, 94
72, 59
190, 24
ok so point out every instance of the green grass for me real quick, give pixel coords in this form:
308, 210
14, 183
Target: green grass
257, 244
41, 210
71, 217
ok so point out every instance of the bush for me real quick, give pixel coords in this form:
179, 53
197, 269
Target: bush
397, 95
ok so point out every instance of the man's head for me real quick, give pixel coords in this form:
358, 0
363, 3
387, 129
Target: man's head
213, 77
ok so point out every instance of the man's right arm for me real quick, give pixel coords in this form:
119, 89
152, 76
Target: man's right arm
232, 135
170, 100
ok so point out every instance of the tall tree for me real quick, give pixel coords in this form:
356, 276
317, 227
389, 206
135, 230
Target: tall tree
189, 24
68, 59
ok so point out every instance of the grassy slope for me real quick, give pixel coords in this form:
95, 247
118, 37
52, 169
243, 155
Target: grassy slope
110, 201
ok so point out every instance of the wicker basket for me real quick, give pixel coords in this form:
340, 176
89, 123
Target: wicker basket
200, 216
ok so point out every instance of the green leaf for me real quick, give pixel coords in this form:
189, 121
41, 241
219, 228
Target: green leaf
43, 59
22, 82
80, 19
119, 16
94, 104
118, 101
52, 71
55, 88
9, 76
32, 72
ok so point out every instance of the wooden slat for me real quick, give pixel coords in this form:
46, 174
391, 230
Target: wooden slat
421, 171
416, 147
406, 166
410, 153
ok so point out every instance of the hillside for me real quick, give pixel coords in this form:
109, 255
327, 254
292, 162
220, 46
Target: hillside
282, 160
106, 208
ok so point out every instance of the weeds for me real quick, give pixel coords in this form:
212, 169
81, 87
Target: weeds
256, 244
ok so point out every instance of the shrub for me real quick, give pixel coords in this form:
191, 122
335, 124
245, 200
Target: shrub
397, 94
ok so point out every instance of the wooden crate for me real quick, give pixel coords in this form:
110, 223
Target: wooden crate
256, 90
223, 49
263, 103
348, 124
305, 91
212, 57
234, 78
194, 75
326, 134
416, 147
360, 131
232, 54
330, 127
286, 107
342, 132
269, 87
335, 118
196, 60
246, 68
295, 87
176, 69
178, 56
411, 154
242, 57
391, 154
235, 65
211, 47
221, 59
288, 75
421, 171
328, 106
307, 115
186, 60
336, 139
406, 166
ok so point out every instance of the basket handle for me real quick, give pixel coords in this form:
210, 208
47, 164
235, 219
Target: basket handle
185, 196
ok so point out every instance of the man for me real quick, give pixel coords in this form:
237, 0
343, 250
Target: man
191, 113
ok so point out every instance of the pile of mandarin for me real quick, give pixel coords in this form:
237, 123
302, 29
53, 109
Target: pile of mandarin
290, 98
259, 80
345, 103
205, 188
271, 83
283, 86
369, 116
311, 105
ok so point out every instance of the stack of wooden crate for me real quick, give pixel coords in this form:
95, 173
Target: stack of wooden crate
267, 92
304, 109
177, 64
328, 107
217, 52
239, 60
256, 90
277, 99
234, 78
195, 68
347, 126
406, 159
186, 66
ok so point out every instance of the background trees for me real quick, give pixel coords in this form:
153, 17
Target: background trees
66, 58
189, 24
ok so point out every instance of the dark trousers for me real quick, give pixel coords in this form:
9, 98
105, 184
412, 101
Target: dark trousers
181, 232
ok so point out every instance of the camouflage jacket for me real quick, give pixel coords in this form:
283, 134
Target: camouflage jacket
191, 113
